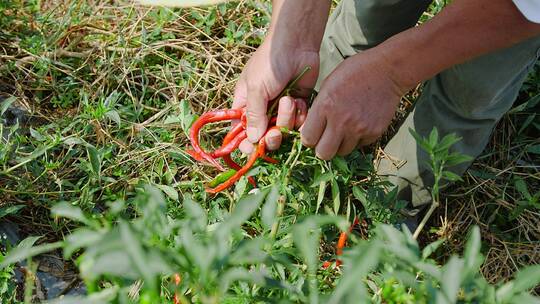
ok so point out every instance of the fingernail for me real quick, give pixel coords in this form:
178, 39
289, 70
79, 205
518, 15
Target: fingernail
286, 102
253, 134
272, 139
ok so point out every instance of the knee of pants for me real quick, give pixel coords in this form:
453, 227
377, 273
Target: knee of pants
486, 87
469, 97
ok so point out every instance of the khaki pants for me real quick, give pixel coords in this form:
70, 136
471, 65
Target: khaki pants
467, 99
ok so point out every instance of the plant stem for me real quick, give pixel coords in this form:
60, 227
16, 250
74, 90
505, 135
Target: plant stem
290, 85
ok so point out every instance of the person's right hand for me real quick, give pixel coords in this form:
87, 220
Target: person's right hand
265, 75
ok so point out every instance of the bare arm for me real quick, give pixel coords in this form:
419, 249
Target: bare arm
463, 30
292, 43
358, 99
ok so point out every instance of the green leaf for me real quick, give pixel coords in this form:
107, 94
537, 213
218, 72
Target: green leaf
335, 195
527, 122
186, 117
472, 255
456, 159
114, 117
446, 142
450, 281
98, 297
35, 154
523, 298
71, 212
195, 213
71, 141
451, 176
432, 247
320, 195
325, 177
95, 160
136, 253
169, 191
83, 237
521, 186
360, 194
306, 237
241, 213
433, 137
26, 249
535, 149
6, 103
420, 141
36, 135
10, 210
268, 212
341, 164
527, 278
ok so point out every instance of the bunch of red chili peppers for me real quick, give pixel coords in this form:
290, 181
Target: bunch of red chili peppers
231, 141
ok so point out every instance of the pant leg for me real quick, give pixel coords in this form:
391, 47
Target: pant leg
467, 99
356, 25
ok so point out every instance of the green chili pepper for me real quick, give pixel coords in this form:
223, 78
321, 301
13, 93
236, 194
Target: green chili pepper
221, 178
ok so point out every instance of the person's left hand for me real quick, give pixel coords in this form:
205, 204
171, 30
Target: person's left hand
355, 105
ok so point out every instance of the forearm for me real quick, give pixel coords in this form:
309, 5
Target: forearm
299, 23
462, 31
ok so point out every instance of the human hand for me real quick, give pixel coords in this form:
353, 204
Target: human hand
266, 74
355, 105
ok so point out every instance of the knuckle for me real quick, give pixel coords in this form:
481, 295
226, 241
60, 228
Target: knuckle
308, 142
359, 127
324, 155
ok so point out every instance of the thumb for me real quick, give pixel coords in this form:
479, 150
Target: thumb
257, 121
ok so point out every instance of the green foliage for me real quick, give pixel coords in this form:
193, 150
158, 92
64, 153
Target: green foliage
7, 283
441, 158
222, 261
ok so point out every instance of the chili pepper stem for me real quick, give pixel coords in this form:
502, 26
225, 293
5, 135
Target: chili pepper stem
287, 89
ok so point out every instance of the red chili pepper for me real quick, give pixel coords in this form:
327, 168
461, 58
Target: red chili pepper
270, 159
228, 148
260, 151
233, 133
341, 244
177, 280
251, 161
233, 139
233, 165
206, 118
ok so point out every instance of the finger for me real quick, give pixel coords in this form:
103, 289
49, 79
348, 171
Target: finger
367, 141
286, 112
257, 121
240, 96
246, 147
301, 112
347, 146
312, 129
273, 139
240, 93
329, 143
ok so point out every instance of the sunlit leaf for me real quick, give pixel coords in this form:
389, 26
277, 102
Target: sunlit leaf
10, 210
26, 249
69, 211
268, 212
169, 191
